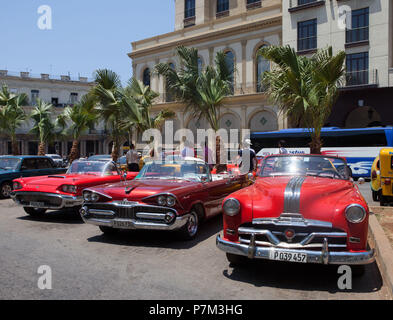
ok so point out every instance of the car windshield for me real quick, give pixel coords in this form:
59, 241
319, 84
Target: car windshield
9, 163
97, 168
100, 157
320, 166
175, 170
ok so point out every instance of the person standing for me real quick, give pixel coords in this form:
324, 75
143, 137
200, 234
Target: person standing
207, 155
132, 158
281, 147
188, 150
248, 157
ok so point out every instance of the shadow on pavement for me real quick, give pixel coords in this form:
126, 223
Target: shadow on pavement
61, 216
307, 277
160, 239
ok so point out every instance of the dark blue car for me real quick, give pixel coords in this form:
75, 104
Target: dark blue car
13, 167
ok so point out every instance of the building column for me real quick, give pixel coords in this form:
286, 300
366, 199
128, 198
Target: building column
244, 88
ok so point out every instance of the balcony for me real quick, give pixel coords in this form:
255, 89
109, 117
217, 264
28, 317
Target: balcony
357, 37
361, 78
296, 5
222, 14
254, 5
307, 45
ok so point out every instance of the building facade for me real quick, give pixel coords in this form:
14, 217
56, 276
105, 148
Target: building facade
236, 27
60, 92
364, 30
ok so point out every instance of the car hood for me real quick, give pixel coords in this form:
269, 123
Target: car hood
317, 199
139, 189
60, 179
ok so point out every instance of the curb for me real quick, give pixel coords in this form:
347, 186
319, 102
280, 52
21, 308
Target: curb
384, 251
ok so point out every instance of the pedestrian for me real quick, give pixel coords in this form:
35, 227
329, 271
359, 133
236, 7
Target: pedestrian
207, 155
188, 150
281, 147
248, 157
132, 158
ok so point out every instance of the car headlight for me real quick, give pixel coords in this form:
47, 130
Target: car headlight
68, 188
170, 201
87, 196
16, 185
355, 213
95, 197
231, 207
161, 200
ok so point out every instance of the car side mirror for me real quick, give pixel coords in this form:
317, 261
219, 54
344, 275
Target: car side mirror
361, 181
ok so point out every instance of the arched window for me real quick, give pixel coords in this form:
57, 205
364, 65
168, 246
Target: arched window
262, 65
230, 60
169, 96
146, 77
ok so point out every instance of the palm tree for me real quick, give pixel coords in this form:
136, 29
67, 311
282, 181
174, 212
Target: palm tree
76, 121
43, 127
304, 89
12, 115
203, 91
109, 97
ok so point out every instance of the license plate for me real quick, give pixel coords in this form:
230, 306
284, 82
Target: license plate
37, 204
122, 224
288, 256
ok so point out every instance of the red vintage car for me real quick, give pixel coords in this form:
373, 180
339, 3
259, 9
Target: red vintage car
175, 194
38, 194
303, 209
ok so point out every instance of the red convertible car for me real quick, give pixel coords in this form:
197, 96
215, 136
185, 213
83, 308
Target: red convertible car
38, 194
166, 195
303, 209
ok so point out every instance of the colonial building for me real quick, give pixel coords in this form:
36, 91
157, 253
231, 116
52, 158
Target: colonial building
237, 27
367, 38
60, 92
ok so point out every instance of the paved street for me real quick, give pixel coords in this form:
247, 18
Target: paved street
149, 265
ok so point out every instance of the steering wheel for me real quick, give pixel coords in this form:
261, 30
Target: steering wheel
335, 173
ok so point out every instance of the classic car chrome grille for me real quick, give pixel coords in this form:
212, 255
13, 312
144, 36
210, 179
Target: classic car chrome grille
50, 201
309, 234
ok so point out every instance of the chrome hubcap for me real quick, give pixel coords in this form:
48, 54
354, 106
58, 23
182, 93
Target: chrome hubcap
6, 190
192, 225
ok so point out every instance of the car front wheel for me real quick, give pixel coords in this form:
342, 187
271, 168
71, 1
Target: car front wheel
5, 190
190, 229
34, 211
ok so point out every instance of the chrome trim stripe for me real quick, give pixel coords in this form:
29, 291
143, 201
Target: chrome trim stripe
292, 195
67, 201
286, 220
148, 215
102, 212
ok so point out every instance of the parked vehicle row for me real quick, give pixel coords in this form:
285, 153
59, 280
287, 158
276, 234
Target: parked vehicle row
382, 177
298, 208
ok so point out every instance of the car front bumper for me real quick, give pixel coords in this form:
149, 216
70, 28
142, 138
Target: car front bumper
109, 219
52, 201
322, 257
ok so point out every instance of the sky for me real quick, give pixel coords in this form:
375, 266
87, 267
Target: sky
86, 34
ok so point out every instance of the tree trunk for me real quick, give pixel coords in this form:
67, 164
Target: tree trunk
315, 145
219, 167
74, 154
115, 150
41, 149
15, 147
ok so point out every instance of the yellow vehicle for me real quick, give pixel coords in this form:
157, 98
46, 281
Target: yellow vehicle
382, 177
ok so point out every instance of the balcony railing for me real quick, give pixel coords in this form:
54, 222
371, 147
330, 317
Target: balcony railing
361, 78
254, 5
309, 43
295, 5
357, 35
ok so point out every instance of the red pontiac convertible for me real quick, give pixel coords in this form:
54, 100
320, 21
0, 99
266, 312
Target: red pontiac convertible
38, 194
174, 194
303, 209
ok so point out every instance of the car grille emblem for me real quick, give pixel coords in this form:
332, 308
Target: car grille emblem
289, 234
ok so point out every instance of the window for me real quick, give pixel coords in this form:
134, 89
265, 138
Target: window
146, 77
301, 2
55, 101
262, 65
252, 1
29, 164
357, 69
43, 163
35, 94
360, 24
222, 5
73, 97
252, 4
169, 96
230, 60
189, 10
307, 35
